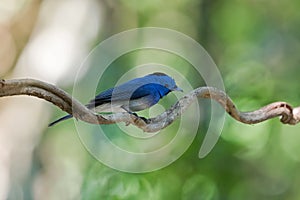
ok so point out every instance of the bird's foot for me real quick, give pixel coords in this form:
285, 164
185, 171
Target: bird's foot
147, 121
133, 113
143, 118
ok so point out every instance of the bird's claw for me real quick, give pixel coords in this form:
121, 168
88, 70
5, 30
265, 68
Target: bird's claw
143, 118
132, 113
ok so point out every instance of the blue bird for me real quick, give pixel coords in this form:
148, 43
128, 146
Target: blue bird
135, 95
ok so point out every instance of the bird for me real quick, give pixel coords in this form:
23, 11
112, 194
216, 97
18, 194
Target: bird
132, 96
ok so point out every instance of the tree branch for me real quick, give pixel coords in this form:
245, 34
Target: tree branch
58, 97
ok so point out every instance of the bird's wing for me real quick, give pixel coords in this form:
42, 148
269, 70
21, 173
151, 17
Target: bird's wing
103, 97
123, 92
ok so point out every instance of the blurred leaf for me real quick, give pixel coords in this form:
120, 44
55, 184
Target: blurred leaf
199, 187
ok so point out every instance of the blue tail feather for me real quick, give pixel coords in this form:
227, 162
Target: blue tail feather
60, 119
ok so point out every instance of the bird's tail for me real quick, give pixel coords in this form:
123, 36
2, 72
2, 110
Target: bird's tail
60, 119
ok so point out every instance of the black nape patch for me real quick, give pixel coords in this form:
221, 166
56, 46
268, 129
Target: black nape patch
159, 74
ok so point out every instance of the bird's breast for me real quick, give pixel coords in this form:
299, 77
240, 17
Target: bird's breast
133, 105
139, 104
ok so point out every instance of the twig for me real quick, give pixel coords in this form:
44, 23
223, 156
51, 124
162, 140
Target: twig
58, 97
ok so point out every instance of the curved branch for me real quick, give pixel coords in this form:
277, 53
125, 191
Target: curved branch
58, 97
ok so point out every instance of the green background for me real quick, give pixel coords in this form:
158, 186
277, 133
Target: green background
256, 45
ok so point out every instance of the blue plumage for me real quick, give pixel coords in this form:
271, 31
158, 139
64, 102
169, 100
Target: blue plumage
134, 95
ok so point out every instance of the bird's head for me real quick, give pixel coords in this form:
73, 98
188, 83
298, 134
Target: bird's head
166, 81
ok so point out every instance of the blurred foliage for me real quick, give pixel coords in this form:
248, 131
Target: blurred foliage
255, 44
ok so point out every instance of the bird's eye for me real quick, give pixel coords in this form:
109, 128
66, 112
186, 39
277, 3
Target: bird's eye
166, 85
